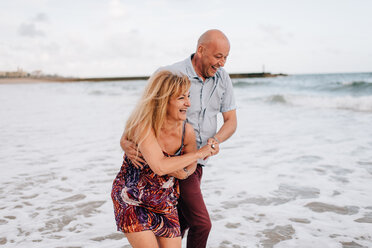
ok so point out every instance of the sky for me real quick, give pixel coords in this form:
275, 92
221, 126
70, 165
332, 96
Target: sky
108, 38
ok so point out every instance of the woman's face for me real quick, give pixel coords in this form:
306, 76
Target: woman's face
177, 106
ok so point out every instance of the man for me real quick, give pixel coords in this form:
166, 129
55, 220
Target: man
211, 93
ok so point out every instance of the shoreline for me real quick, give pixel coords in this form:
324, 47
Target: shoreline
28, 80
106, 79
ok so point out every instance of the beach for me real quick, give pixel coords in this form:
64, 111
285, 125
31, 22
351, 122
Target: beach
21, 80
297, 172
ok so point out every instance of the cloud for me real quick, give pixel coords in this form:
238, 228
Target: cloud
41, 17
124, 44
275, 33
116, 9
29, 30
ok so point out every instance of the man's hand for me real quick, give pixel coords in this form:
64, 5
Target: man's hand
215, 146
132, 153
180, 174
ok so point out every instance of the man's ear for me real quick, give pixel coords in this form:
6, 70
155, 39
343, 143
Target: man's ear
200, 50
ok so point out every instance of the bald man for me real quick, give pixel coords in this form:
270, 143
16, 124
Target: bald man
211, 93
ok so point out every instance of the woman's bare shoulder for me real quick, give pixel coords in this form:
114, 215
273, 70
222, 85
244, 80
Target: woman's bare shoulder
189, 133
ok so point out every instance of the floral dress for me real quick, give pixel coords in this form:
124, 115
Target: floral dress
145, 201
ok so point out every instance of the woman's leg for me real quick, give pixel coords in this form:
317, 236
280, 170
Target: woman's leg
144, 239
169, 242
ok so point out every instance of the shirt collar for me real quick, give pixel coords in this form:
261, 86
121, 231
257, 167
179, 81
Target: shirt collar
191, 71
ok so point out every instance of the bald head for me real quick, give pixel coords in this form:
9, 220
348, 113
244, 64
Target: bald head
211, 53
212, 36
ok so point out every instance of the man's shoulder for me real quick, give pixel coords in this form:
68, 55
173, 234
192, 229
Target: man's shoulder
179, 66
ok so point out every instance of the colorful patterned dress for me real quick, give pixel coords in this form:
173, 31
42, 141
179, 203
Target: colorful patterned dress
145, 201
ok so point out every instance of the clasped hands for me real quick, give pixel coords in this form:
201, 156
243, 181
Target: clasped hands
138, 161
215, 146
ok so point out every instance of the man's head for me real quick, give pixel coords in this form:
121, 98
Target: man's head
211, 53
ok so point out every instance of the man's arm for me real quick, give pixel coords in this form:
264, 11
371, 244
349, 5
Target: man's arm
229, 126
131, 151
163, 165
226, 131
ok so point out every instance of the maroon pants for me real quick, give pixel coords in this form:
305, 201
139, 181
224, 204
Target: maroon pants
192, 211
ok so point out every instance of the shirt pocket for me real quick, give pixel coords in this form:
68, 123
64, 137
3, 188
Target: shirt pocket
195, 107
215, 101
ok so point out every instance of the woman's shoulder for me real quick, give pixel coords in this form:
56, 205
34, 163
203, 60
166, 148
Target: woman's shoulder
188, 127
189, 132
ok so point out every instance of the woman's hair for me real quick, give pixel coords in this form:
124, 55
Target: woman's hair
150, 112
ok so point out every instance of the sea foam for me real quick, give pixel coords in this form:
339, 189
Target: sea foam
297, 172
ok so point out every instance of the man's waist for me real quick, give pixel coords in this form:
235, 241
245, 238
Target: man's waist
202, 163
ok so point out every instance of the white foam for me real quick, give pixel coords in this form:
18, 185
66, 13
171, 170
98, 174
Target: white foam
60, 153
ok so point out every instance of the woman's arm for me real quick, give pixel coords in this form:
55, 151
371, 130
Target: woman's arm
190, 146
163, 165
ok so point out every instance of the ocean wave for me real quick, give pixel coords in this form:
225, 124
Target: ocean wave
277, 99
242, 84
354, 86
103, 93
356, 83
362, 103
342, 87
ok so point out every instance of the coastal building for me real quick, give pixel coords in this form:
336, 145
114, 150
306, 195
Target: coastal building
19, 73
36, 74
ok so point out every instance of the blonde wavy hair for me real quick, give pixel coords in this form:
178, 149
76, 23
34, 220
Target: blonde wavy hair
151, 110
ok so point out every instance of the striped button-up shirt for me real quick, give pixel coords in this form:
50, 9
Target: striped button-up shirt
214, 95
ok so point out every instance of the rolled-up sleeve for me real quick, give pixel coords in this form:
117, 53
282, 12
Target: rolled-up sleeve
228, 98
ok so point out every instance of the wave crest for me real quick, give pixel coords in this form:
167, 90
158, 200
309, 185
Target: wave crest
362, 103
243, 84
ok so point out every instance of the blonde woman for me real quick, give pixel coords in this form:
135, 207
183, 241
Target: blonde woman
145, 198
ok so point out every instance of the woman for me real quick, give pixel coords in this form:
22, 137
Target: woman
145, 198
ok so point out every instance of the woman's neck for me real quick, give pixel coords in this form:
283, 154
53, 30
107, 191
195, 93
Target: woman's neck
170, 126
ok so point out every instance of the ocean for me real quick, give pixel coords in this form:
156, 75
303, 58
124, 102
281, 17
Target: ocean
297, 172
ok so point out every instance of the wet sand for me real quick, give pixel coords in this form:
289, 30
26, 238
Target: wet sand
26, 80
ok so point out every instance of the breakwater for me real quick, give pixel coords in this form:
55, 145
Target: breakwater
232, 75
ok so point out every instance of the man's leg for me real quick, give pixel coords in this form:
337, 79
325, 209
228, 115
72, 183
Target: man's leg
193, 212
183, 222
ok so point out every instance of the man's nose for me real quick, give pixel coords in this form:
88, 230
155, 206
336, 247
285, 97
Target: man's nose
222, 62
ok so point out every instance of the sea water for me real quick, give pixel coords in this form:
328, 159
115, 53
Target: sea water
297, 172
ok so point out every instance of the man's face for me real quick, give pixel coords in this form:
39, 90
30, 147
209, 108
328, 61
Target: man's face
213, 56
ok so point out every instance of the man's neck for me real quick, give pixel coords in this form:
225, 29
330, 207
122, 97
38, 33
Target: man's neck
194, 62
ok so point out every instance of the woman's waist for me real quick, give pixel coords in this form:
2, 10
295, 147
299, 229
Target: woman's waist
156, 199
